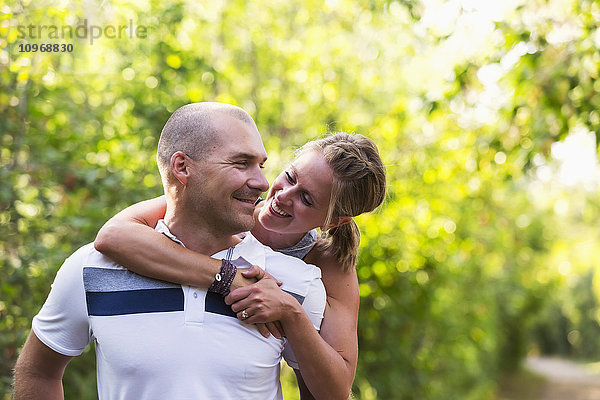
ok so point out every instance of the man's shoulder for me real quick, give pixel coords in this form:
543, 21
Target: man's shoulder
87, 255
84, 257
275, 257
72, 271
286, 268
100, 274
296, 275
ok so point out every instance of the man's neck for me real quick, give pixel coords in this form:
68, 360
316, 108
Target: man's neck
197, 237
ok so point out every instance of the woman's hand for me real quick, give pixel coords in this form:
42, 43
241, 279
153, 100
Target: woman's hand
262, 303
258, 273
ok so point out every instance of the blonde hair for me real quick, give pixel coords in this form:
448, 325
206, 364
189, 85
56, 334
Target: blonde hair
359, 185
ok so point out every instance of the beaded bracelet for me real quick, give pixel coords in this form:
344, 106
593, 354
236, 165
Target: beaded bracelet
224, 277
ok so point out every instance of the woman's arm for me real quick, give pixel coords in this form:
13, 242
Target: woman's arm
327, 361
129, 238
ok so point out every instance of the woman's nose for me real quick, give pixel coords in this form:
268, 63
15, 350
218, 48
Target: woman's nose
284, 195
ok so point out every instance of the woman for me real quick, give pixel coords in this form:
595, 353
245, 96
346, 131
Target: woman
330, 181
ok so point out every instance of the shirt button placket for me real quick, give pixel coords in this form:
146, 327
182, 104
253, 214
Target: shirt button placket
194, 308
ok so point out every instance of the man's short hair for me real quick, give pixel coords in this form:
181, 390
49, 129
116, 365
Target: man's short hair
190, 129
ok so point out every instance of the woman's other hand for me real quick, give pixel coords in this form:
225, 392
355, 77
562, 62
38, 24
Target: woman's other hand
262, 303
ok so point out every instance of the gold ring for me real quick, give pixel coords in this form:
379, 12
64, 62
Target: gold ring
244, 314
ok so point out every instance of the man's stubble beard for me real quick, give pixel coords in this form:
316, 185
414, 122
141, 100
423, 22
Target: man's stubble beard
222, 221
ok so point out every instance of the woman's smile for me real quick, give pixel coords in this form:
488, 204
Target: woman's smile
275, 209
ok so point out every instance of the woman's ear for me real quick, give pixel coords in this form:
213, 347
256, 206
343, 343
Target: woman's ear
335, 222
179, 166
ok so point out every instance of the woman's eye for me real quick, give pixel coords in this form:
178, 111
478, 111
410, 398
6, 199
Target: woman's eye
305, 200
290, 178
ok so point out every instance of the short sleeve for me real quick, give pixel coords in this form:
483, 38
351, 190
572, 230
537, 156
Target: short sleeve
63, 324
314, 305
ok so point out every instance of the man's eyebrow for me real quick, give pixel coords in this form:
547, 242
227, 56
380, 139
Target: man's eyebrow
247, 156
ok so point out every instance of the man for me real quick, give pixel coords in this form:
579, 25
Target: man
157, 340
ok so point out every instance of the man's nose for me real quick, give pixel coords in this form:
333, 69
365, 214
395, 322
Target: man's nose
258, 180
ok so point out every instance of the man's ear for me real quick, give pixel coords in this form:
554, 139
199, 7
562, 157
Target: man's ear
179, 166
335, 222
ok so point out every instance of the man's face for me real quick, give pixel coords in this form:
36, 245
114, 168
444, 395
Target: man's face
226, 183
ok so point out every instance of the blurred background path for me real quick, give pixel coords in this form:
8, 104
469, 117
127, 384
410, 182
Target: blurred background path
565, 380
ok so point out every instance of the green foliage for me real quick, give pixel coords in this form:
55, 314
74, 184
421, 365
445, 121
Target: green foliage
474, 259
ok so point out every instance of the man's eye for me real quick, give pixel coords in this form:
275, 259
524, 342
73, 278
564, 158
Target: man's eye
242, 163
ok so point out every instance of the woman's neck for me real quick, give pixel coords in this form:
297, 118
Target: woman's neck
275, 240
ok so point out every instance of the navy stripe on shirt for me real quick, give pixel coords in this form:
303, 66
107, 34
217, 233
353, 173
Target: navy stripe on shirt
134, 301
121, 292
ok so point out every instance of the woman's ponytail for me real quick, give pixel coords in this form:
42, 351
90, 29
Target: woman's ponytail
342, 242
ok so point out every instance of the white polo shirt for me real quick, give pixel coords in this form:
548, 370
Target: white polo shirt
158, 340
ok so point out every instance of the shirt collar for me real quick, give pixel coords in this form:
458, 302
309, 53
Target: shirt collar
246, 253
162, 228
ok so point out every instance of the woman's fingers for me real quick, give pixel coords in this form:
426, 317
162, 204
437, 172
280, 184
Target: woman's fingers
263, 330
258, 273
254, 272
279, 328
270, 328
241, 305
238, 294
249, 316
269, 276
274, 329
260, 302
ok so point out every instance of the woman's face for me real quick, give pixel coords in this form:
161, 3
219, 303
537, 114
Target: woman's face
299, 197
